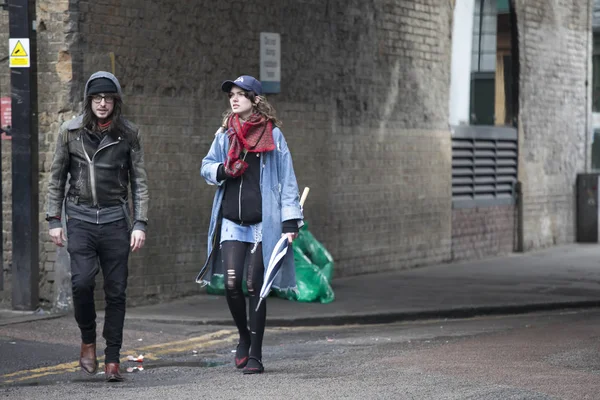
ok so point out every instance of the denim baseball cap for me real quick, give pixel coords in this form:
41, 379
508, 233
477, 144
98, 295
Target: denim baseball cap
245, 82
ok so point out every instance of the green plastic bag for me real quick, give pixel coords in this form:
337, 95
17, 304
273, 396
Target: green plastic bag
217, 285
314, 271
315, 252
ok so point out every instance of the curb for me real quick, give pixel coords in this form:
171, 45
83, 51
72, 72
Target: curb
389, 317
28, 318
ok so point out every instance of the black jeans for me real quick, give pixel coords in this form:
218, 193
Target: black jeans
107, 244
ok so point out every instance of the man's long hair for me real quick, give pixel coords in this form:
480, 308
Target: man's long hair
90, 120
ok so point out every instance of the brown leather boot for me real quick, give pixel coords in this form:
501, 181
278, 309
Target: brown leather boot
87, 358
111, 371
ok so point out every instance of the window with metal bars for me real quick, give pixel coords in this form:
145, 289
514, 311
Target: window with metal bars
484, 166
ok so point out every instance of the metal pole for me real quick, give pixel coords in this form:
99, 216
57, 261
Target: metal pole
1, 217
25, 220
4, 6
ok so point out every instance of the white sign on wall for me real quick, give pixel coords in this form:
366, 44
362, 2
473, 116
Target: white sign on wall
18, 50
270, 62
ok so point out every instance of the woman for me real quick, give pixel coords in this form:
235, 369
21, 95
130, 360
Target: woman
256, 202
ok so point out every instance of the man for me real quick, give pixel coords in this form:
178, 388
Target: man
102, 152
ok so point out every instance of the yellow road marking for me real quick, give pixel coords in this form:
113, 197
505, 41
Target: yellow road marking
186, 341
59, 367
194, 346
153, 352
28, 377
210, 339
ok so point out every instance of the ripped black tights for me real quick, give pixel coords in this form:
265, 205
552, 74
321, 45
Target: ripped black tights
236, 255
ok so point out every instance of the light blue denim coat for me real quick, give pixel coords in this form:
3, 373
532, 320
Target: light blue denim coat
280, 202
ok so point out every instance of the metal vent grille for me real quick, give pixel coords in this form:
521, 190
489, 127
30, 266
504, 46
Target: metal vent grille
484, 166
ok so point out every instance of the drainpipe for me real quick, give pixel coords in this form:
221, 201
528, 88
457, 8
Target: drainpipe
516, 68
588, 106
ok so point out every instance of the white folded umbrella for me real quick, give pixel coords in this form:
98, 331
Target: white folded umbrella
273, 268
276, 260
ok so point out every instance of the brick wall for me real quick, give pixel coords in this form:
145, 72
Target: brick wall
552, 144
59, 63
57, 83
483, 232
554, 55
364, 105
365, 109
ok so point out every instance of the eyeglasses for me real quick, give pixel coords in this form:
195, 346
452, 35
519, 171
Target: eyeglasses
99, 97
233, 94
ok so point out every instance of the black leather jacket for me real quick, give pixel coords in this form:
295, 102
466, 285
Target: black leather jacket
101, 180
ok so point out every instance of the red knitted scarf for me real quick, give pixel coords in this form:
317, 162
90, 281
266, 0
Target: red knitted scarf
254, 136
105, 126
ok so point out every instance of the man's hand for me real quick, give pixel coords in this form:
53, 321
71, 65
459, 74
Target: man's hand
290, 236
58, 236
137, 239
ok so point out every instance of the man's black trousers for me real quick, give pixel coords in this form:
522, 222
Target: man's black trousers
107, 245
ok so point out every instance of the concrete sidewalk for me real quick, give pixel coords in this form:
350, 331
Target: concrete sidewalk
559, 277
8, 317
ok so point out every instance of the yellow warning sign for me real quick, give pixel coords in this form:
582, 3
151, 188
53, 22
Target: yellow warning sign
19, 53
19, 50
19, 62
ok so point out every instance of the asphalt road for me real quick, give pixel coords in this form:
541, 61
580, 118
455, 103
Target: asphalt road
550, 355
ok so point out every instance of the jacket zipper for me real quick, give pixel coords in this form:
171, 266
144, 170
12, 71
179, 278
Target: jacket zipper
93, 174
240, 200
240, 194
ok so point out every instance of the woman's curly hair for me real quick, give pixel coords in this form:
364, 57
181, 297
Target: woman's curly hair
263, 107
